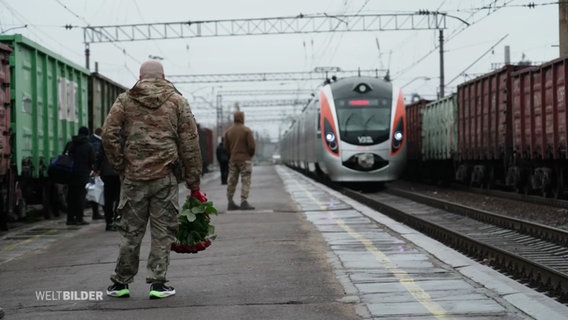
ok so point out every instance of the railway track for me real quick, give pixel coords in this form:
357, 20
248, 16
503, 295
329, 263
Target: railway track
533, 254
534, 199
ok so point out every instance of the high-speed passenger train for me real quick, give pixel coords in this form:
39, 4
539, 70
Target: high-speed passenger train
353, 130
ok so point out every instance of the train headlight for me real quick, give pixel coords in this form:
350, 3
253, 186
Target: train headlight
397, 140
330, 137
397, 137
331, 142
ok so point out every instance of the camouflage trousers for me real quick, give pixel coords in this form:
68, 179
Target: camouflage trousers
244, 169
140, 201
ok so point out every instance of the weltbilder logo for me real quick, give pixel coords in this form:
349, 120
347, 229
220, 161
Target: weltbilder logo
65, 295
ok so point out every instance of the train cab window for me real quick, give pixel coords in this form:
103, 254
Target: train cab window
364, 121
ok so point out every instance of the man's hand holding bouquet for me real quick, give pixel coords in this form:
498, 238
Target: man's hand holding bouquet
195, 229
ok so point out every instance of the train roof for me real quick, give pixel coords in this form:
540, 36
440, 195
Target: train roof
345, 86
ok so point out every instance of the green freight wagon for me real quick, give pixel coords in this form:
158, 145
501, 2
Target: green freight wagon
440, 129
48, 103
5, 152
439, 137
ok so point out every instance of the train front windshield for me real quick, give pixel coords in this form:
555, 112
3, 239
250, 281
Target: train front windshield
364, 121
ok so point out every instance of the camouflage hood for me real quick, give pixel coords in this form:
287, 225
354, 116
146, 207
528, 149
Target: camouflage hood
152, 93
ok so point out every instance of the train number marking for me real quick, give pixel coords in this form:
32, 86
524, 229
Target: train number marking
365, 139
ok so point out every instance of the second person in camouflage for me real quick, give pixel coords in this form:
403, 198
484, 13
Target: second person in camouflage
239, 142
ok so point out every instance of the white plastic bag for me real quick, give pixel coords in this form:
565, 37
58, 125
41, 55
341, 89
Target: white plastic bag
95, 191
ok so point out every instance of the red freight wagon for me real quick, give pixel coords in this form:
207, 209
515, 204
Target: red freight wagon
207, 146
414, 138
512, 130
210, 146
484, 136
539, 128
414, 130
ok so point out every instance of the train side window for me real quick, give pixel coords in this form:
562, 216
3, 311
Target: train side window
318, 127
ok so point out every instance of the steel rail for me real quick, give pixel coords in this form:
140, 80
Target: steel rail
536, 274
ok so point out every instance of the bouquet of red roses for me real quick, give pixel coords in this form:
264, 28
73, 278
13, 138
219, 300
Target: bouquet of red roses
195, 231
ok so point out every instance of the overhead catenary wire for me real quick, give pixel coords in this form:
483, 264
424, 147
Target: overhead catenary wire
479, 58
35, 29
325, 48
452, 36
123, 50
493, 4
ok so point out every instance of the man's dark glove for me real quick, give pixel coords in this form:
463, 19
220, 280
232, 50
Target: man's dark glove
200, 196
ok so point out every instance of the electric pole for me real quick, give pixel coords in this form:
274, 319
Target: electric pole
442, 76
563, 27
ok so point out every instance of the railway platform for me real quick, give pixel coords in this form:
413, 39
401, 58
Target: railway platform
306, 252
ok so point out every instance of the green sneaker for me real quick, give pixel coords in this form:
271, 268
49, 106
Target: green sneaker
160, 290
118, 290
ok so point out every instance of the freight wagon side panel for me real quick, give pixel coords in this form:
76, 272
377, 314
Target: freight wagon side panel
439, 129
525, 96
210, 145
558, 85
414, 166
539, 111
517, 111
5, 148
555, 104
522, 113
206, 144
414, 130
49, 103
102, 95
483, 116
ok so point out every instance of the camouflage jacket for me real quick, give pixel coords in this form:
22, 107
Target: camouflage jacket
147, 130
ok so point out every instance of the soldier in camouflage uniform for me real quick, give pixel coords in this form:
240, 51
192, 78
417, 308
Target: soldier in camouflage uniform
239, 142
149, 130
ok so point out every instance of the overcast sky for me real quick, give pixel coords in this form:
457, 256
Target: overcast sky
411, 56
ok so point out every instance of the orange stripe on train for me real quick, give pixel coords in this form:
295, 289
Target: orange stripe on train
400, 113
326, 113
